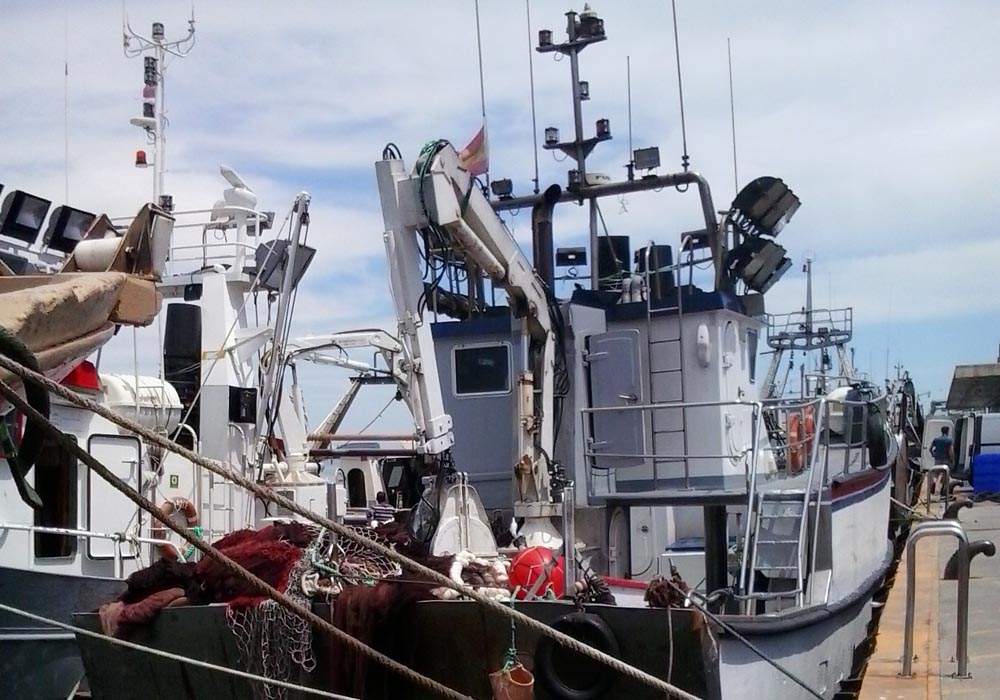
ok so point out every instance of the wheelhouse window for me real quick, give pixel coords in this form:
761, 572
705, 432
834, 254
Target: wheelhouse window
56, 481
482, 369
752, 354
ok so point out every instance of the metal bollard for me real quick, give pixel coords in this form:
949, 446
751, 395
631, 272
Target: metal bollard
945, 484
938, 528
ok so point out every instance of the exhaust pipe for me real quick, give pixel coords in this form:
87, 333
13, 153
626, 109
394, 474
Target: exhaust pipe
542, 253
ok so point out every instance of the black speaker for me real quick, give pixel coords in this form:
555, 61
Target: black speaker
613, 259
182, 360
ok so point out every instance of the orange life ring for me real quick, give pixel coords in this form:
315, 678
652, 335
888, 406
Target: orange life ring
159, 531
809, 431
796, 442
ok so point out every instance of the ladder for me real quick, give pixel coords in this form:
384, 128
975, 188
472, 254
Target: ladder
780, 543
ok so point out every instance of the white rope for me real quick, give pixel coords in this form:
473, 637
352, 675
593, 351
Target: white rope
172, 657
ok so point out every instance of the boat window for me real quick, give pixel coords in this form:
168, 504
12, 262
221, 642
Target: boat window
481, 369
356, 494
752, 353
56, 477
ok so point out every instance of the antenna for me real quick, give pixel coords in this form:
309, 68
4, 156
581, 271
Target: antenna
153, 121
732, 115
482, 85
66, 99
680, 89
531, 77
628, 93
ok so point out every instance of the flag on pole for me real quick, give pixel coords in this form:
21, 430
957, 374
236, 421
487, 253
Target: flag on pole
476, 156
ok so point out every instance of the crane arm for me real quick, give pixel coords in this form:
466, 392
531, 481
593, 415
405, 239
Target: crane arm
439, 201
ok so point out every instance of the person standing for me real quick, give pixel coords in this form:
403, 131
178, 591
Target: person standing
382, 512
943, 451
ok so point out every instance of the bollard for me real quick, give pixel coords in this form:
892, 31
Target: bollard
938, 528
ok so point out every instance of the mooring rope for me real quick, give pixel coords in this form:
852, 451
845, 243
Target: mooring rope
267, 494
168, 655
208, 550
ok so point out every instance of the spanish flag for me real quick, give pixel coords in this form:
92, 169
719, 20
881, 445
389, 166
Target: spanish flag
476, 156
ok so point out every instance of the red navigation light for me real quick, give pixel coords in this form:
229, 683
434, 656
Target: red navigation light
83, 376
140, 159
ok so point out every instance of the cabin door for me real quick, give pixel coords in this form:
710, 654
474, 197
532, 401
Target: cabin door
615, 381
108, 510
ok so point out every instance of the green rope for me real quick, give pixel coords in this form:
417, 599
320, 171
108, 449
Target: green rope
511, 659
189, 552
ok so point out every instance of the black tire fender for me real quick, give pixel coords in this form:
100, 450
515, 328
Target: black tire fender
552, 659
878, 449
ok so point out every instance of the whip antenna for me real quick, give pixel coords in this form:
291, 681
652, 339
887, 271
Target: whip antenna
482, 85
680, 89
531, 78
732, 115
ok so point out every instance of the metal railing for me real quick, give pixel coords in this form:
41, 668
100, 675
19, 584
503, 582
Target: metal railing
810, 443
116, 537
938, 528
805, 330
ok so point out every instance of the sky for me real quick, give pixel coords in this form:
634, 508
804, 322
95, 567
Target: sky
882, 117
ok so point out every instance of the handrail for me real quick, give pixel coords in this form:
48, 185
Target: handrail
919, 531
116, 537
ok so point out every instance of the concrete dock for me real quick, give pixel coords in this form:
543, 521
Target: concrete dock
934, 663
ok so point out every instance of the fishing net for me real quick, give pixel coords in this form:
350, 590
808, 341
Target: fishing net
272, 641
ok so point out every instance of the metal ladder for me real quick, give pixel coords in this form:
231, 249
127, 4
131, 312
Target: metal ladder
779, 543
654, 371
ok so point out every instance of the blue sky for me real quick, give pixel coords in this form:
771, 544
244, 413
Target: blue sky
881, 116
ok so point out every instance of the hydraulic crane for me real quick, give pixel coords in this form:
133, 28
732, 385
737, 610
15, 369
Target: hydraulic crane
438, 211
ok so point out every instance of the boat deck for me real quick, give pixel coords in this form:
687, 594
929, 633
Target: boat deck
934, 663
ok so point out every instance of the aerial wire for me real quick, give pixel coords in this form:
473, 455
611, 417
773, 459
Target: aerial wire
482, 87
732, 116
531, 79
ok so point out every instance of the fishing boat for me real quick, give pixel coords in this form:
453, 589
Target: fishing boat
743, 529
68, 541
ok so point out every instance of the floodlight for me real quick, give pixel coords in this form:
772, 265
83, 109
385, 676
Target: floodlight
570, 257
272, 260
17, 264
646, 158
67, 227
759, 263
502, 188
22, 216
764, 206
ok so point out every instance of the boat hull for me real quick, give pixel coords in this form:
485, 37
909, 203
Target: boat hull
39, 662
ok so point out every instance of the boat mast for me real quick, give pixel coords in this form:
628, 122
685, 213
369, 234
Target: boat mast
580, 33
153, 120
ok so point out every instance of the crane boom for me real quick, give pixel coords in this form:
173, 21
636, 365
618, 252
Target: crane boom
439, 202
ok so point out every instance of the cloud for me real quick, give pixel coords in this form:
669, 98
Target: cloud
877, 119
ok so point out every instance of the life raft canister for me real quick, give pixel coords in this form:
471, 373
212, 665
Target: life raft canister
569, 675
167, 509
